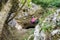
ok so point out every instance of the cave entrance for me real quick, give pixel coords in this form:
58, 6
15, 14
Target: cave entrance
28, 27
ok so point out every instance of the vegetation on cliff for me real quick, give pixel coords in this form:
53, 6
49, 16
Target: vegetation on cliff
16, 15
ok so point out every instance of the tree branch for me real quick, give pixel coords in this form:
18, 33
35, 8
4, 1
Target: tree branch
17, 11
13, 9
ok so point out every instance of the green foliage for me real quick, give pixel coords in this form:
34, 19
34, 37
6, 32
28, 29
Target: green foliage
45, 14
46, 25
27, 2
32, 38
55, 3
47, 3
22, 1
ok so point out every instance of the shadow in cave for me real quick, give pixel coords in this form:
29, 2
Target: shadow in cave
28, 27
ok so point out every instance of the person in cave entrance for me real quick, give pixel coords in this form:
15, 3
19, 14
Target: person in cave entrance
34, 20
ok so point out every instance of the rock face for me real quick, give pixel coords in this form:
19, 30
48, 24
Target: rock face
49, 28
36, 32
26, 14
5, 33
3, 14
13, 23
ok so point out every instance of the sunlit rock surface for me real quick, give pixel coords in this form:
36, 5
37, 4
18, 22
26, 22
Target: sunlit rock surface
13, 23
36, 33
57, 31
50, 27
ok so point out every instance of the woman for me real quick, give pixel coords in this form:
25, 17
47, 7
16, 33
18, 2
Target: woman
34, 20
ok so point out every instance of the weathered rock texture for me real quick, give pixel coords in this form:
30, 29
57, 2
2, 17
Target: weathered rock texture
49, 28
25, 15
5, 33
3, 14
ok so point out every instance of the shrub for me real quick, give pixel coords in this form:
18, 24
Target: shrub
47, 3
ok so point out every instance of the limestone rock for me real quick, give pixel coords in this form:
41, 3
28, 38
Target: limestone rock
26, 14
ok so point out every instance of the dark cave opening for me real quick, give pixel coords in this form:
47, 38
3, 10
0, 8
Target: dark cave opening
28, 27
